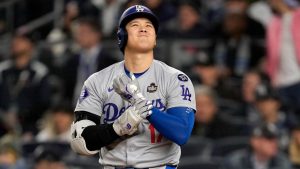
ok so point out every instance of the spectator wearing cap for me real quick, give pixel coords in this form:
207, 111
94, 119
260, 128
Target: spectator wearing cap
268, 106
205, 72
235, 45
263, 152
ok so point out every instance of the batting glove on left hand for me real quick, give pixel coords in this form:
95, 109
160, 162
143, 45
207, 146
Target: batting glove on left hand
129, 90
127, 123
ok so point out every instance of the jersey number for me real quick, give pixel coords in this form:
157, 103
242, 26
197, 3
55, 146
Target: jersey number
185, 93
154, 138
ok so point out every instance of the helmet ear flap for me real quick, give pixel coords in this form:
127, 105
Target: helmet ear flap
122, 38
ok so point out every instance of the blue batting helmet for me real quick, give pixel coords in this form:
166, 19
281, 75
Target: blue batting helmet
136, 11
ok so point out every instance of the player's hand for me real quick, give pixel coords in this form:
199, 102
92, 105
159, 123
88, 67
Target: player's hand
128, 122
128, 88
143, 107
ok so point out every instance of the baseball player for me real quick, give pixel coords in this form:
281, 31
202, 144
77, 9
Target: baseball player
138, 112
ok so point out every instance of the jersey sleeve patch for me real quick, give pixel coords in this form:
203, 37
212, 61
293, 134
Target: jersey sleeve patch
84, 94
182, 77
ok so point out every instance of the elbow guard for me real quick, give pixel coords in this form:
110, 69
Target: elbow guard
78, 144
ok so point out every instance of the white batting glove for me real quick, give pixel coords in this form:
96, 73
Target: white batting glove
129, 90
143, 107
128, 122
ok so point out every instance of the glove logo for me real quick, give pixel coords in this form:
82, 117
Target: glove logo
128, 126
152, 88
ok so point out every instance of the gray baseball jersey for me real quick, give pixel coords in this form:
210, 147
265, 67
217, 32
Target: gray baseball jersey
165, 86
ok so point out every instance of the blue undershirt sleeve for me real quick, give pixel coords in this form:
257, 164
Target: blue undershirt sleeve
176, 124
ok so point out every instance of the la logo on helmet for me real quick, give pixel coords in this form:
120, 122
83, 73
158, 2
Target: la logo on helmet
139, 8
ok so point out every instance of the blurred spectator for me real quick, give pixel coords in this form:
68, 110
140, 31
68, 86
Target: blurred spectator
283, 47
263, 152
55, 125
46, 158
10, 157
24, 85
187, 24
250, 81
235, 47
268, 105
294, 146
205, 70
208, 120
237, 21
91, 58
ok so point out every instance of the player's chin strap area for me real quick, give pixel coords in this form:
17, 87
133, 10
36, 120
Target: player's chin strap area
160, 167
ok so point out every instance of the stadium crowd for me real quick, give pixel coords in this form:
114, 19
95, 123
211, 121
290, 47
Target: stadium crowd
243, 57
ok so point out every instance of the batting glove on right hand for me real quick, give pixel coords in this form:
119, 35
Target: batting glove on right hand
129, 90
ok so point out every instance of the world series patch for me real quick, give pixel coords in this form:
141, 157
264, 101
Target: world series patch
152, 88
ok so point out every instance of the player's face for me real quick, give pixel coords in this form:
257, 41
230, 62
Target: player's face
141, 35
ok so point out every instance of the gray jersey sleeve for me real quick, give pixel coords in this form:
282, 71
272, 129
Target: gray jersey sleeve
89, 99
180, 92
